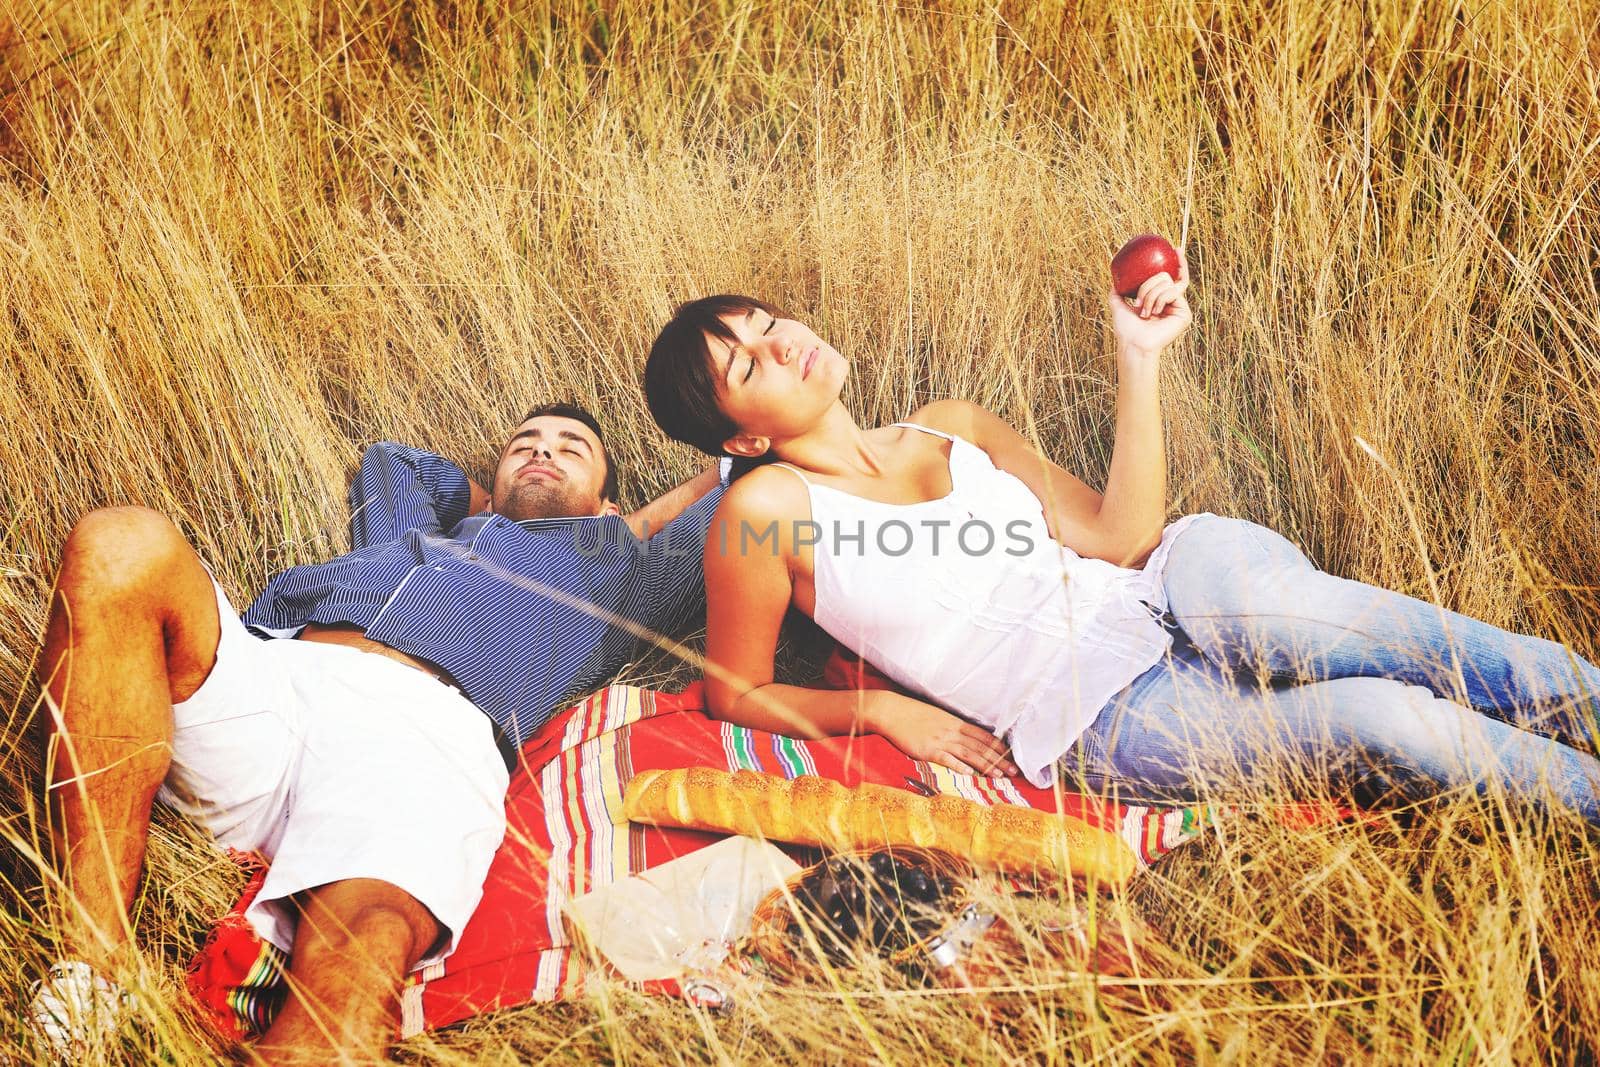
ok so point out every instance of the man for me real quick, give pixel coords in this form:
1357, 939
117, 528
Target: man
368, 758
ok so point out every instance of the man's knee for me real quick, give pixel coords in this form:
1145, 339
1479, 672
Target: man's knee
118, 553
364, 923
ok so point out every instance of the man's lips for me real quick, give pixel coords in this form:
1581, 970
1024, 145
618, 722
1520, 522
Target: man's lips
542, 471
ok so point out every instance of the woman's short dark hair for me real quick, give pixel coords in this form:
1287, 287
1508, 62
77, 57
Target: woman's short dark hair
680, 383
608, 488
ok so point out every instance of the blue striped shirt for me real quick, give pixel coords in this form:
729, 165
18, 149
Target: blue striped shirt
522, 615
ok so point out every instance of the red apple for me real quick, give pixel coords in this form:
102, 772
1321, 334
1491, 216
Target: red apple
1141, 259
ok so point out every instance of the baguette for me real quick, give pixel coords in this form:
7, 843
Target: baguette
812, 810
646, 793
764, 803
820, 807
953, 821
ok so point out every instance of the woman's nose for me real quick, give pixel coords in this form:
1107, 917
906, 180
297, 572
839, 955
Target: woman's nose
779, 349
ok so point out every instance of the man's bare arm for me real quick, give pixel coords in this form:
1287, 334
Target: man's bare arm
480, 497
669, 505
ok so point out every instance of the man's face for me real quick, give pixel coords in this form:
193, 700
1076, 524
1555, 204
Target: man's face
552, 467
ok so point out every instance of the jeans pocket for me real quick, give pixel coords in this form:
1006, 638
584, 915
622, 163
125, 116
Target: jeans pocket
1086, 761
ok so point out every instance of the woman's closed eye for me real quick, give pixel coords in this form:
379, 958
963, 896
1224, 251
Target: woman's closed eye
740, 350
771, 322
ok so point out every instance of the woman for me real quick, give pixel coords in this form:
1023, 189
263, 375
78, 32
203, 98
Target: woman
1044, 625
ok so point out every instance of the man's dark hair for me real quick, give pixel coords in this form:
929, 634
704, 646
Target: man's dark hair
680, 383
608, 489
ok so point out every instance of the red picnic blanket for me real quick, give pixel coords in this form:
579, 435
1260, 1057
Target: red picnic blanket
565, 835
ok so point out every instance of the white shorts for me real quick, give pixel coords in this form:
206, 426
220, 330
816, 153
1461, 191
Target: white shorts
336, 763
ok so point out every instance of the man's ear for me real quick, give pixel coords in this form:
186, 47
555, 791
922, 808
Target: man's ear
609, 508
747, 445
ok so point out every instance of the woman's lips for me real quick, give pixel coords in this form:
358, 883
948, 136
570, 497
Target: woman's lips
811, 358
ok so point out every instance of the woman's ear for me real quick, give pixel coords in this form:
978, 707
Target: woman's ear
747, 445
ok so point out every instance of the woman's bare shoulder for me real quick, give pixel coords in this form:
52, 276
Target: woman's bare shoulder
763, 508
959, 417
765, 493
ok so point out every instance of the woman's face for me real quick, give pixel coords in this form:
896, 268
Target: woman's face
778, 378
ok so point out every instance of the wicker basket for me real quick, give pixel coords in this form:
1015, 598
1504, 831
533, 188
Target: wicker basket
791, 940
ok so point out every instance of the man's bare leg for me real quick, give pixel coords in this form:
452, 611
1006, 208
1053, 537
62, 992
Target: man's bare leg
356, 941
133, 630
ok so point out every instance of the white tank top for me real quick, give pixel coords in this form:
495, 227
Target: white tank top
969, 601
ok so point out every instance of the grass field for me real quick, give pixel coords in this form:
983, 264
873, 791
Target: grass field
239, 240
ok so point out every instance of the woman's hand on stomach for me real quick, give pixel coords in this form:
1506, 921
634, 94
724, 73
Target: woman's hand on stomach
927, 732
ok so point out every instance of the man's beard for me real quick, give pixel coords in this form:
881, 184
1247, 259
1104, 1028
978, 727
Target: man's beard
535, 499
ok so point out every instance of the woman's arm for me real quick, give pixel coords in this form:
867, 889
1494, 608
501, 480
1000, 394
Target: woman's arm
749, 551
749, 588
1125, 523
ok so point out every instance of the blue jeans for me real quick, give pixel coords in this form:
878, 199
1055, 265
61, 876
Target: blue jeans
1277, 665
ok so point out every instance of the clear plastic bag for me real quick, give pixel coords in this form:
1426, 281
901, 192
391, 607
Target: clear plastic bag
683, 917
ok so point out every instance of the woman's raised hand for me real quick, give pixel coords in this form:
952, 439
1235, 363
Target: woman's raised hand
1157, 316
923, 731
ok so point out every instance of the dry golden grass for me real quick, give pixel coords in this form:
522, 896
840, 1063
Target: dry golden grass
240, 240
